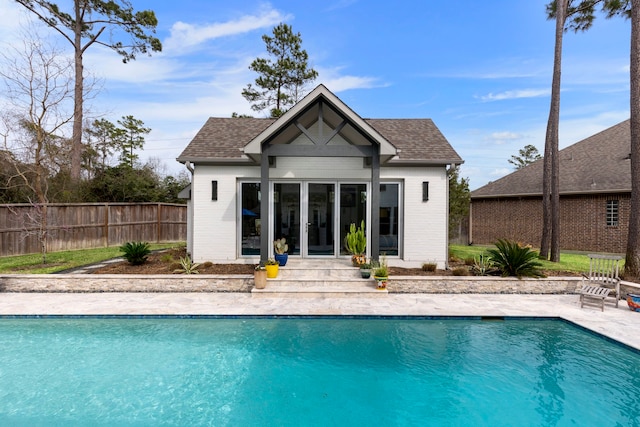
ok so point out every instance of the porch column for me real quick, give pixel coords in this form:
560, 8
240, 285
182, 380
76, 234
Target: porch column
264, 204
375, 204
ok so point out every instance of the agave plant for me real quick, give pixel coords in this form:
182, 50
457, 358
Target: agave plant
187, 266
135, 252
513, 259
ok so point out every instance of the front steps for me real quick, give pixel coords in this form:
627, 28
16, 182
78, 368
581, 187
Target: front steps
319, 277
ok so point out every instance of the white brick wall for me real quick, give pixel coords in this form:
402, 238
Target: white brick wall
424, 228
425, 223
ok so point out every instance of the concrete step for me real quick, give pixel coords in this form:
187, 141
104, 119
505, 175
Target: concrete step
315, 288
319, 277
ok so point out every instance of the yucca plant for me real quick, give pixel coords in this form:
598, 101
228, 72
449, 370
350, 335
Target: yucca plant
513, 259
135, 252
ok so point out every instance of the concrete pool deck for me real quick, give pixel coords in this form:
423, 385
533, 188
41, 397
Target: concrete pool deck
620, 324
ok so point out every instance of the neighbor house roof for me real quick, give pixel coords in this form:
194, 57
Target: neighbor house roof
597, 164
406, 140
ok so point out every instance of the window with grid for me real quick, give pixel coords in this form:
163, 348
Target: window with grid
612, 212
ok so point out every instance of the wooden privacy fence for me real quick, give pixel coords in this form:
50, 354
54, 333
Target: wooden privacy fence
89, 225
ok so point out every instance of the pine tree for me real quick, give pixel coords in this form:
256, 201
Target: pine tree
283, 76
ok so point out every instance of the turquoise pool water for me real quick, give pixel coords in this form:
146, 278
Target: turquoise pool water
299, 372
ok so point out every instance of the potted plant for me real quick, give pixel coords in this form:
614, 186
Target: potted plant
381, 274
365, 270
271, 265
260, 276
356, 244
280, 246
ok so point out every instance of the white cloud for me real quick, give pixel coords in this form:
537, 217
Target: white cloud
502, 137
516, 94
342, 83
336, 82
184, 36
13, 16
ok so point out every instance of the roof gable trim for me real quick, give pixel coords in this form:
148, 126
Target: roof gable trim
319, 94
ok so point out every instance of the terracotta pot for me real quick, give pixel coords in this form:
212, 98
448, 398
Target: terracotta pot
260, 278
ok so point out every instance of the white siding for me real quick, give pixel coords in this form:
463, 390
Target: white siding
320, 168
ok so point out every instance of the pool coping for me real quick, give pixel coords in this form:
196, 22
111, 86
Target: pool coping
618, 324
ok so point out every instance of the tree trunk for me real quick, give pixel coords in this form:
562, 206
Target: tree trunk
632, 261
551, 177
76, 137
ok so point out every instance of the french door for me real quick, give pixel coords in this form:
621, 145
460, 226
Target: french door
315, 217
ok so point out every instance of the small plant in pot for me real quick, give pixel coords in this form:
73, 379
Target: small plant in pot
356, 244
280, 247
381, 274
271, 265
365, 270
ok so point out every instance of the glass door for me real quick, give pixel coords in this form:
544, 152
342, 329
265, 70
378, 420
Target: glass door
353, 210
320, 219
286, 215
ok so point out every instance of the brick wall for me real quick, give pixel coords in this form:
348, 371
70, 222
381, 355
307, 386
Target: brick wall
582, 222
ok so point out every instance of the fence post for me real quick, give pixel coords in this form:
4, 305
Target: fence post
106, 225
159, 224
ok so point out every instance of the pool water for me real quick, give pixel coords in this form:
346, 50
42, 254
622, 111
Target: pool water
318, 371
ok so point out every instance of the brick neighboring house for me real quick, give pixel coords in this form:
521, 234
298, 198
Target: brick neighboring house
595, 192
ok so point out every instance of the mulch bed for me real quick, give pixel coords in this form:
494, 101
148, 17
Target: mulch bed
166, 262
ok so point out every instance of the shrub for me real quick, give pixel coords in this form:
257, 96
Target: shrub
460, 271
135, 252
207, 264
513, 259
166, 258
429, 266
469, 261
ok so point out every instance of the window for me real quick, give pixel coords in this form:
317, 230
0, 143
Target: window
612, 213
251, 224
389, 217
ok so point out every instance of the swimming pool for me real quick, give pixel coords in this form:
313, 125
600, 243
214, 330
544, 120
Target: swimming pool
314, 371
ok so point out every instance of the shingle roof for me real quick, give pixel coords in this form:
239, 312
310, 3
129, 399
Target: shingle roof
417, 139
597, 164
224, 138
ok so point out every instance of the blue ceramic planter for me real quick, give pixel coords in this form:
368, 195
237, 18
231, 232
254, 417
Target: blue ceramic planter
282, 259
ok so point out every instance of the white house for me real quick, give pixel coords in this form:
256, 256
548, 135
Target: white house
323, 167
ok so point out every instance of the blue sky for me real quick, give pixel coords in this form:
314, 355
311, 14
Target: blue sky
480, 70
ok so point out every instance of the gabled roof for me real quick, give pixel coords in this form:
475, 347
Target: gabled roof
597, 164
224, 140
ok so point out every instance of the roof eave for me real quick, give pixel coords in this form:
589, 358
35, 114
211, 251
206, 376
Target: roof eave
215, 160
562, 193
425, 162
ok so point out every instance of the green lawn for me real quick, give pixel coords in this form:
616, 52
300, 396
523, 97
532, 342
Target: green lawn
569, 261
59, 261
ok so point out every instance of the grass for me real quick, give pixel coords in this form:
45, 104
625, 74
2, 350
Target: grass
569, 261
59, 261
